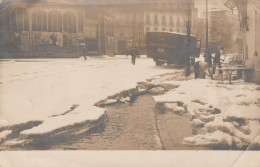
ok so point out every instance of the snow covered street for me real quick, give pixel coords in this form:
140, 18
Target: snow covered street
42, 97
46, 89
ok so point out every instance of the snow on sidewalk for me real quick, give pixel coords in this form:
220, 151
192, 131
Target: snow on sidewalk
230, 114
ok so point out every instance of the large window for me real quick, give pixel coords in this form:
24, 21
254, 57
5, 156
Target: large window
147, 19
105, 26
178, 21
16, 19
54, 21
156, 19
163, 20
69, 22
7, 19
109, 27
171, 21
39, 20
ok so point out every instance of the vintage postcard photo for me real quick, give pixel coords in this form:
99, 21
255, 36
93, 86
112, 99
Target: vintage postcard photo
99, 75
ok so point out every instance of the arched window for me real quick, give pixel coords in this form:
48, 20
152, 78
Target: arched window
7, 19
39, 20
69, 22
54, 22
80, 23
16, 19
13, 20
26, 20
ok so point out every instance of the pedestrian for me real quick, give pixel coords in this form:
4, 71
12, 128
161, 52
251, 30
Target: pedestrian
54, 39
197, 69
216, 60
208, 60
84, 52
134, 53
126, 52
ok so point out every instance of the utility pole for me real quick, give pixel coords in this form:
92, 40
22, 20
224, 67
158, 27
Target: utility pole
188, 24
99, 31
133, 29
207, 47
139, 35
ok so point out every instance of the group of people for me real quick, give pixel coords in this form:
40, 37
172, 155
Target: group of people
133, 52
201, 67
216, 60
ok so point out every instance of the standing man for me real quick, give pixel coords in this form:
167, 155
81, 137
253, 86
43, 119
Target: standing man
134, 53
126, 52
54, 39
206, 65
216, 60
85, 52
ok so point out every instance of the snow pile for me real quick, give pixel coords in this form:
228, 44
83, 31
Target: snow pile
228, 114
257, 140
14, 142
124, 100
111, 101
4, 134
156, 90
3, 123
248, 112
80, 114
212, 139
197, 122
174, 107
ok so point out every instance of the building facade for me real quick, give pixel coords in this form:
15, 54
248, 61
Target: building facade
252, 40
170, 16
61, 28
53, 29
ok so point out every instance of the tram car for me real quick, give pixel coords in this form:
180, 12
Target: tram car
170, 47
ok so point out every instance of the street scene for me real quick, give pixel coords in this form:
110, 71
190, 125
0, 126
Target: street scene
129, 75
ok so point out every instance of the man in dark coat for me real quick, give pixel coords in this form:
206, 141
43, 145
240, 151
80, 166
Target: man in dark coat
216, 60
54, 39
85, 52
134, 53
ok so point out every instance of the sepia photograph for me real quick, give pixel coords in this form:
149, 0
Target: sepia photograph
129, 83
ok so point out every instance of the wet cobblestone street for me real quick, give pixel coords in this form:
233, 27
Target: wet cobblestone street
129, 127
